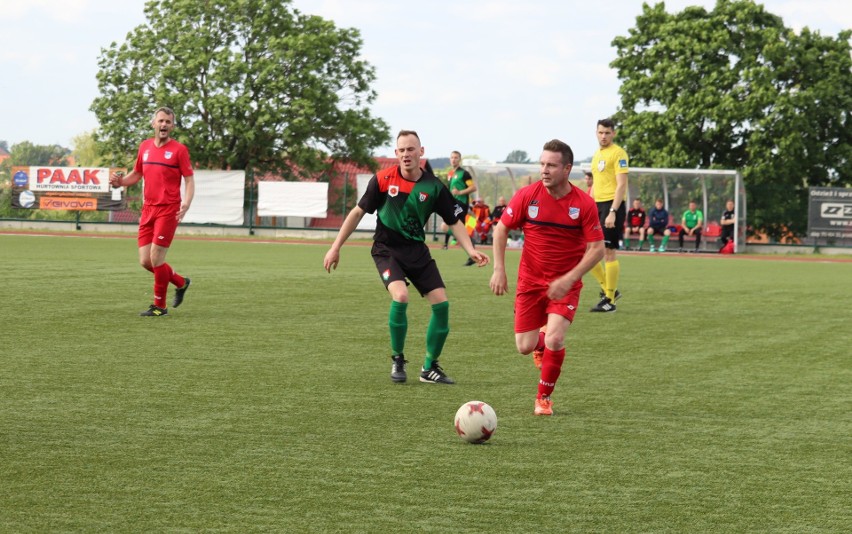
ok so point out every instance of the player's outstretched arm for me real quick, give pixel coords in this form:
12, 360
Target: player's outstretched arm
332, 257
460, 233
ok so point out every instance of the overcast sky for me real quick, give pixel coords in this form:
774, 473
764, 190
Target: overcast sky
481, 77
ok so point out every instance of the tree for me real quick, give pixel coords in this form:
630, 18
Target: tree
86, 151
254, 84
27, 154
517, 156
734, 88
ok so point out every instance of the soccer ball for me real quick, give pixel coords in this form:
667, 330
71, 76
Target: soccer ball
475, 422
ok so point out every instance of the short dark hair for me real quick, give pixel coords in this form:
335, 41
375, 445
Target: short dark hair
555, 145
403, 133
607, 123
167, 110
589, 173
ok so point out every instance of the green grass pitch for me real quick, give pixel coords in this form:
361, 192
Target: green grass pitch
716, 399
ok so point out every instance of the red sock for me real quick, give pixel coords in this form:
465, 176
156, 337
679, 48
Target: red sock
540, 344
551, 367
162, 273
174, 277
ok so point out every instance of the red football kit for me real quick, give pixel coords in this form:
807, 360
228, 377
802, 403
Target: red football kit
556, 233
162, 170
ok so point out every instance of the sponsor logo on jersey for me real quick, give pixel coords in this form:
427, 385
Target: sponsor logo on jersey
393, 190
423, 196
510, 213
622, 163
532, 212
573, 212
386, 274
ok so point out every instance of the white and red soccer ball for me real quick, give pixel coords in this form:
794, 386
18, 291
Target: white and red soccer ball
475, 422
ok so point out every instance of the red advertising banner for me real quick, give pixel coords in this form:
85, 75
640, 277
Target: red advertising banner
66, 188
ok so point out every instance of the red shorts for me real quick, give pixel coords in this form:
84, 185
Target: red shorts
157, 224
532, 306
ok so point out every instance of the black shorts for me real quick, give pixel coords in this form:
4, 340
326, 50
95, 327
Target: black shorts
658, 230
410, 261
612, 236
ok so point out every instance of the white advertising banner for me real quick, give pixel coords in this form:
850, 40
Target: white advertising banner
368, 222
218, 198
292, 199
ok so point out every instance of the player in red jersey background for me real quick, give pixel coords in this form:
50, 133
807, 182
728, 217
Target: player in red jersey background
161, 162
562, 241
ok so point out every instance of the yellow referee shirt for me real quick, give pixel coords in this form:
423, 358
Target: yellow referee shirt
606, 163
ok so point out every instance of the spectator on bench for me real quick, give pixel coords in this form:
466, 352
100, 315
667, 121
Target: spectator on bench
635, 224
690, 224
659, 224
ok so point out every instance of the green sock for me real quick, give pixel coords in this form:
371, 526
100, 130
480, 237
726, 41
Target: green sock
398, 322
665, 240
641, 242
626, 243
651, 240
436, 334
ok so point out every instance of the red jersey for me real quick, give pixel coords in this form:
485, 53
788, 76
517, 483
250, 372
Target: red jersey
162, 169
555, 231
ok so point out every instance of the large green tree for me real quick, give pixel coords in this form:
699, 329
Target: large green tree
735, 88
255, 85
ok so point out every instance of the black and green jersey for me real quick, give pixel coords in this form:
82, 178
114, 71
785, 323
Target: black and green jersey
460, 179
403, 207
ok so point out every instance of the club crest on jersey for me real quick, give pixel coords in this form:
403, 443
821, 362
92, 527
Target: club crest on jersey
573, 212
145, 156
532, 212
393, 190
423, 196
169, 154
601, 164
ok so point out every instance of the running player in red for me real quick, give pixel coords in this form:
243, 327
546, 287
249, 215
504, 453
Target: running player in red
162, 162
562, 241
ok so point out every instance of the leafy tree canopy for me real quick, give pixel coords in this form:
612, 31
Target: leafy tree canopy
517, 156
255, 85
26, 154
734, 88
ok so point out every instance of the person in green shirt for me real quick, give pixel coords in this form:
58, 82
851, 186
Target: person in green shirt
690, 224
461, 185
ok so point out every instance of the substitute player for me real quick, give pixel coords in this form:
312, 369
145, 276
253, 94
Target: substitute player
161, 162
562, 241
609, 166
404, 197
635, 224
